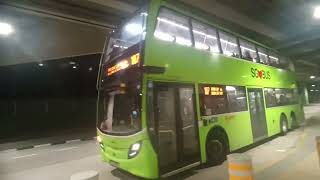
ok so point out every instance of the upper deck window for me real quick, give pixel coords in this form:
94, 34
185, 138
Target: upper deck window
229, 44
263, 56
129, 34
284, 63
248, 51
274, 59
173, 28
205, 37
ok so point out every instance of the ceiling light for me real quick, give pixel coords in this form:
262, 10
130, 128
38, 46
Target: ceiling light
312, 77
5, 29
313, 85
40, 64
316, 13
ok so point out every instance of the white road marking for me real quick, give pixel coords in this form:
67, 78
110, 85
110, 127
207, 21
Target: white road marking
64, 149
42, 145
25, 156
281, 150
75, 140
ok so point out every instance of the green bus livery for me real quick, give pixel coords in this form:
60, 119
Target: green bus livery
176, 91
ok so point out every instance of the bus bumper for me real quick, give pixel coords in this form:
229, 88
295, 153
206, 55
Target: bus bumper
144, 164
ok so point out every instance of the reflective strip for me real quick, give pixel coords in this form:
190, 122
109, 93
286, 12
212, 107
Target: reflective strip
240, 167
240, 177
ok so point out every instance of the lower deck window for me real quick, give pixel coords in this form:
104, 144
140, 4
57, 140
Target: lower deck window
219, 99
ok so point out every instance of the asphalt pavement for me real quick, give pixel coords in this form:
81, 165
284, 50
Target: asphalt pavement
293, 157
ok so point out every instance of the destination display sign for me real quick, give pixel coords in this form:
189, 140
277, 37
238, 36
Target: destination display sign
123, 64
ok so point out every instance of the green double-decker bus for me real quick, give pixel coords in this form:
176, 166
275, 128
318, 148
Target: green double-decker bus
176, 91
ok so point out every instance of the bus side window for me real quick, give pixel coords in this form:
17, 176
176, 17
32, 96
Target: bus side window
274, 59
205, 37
270, 96
248, 51
237, 99
284, 63
213, 101
229, 44
263, 55
173, 28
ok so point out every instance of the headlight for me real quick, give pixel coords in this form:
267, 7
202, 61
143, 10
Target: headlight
99, 139
134, 150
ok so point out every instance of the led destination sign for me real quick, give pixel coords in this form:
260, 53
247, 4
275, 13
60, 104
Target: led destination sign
124, 64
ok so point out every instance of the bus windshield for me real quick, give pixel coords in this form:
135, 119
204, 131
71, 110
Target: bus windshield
120, 111
130, 33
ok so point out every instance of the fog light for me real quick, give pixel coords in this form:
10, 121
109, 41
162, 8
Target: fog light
134, 150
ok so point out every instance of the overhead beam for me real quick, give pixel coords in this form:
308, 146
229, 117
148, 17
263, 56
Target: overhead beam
116, 4
301, 48
299, 39
308, 54
55, 15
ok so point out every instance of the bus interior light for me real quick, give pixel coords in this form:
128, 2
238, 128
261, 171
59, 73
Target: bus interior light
312, 77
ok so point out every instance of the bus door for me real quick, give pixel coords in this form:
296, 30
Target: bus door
257, 114
176, 124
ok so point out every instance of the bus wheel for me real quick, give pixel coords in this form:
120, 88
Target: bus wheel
283, 125
217, 147
294, 121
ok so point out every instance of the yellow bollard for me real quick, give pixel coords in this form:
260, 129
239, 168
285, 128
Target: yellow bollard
318, 147
240, 167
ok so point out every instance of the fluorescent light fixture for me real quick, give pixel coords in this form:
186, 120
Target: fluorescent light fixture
5, 29
316, 13
40, 64
313, 85
74, 67
311, 90
312, 77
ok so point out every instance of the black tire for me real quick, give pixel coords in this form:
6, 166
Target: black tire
217, 147
294, 121
283, 125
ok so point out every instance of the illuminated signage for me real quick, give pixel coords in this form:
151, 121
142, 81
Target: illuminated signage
213, 91
123, 64
261, 74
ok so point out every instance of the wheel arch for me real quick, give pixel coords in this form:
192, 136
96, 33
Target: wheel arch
220, 129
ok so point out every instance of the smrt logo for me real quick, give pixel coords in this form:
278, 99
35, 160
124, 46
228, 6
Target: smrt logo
256, 73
